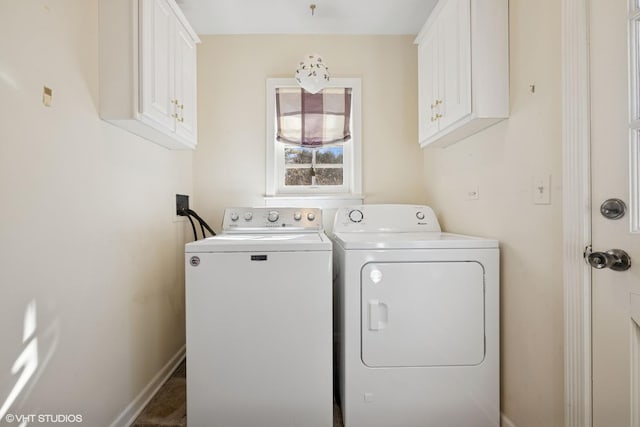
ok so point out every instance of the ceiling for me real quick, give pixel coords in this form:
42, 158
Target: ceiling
295, 17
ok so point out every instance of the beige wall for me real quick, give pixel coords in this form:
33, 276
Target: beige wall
229, 163
502, 161
87, 220
87, 229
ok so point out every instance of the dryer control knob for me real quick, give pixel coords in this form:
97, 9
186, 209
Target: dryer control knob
248, 216
273, 216
420, 215
297, 216
234, 216
311, 216
356, 215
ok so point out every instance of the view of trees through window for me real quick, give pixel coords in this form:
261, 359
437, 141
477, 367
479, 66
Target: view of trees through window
313, 166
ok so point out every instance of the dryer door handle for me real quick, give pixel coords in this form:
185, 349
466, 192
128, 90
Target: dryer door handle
378, 315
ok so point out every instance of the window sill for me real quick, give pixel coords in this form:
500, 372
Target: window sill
324, 201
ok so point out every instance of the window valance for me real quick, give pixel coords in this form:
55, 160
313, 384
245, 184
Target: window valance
313, 120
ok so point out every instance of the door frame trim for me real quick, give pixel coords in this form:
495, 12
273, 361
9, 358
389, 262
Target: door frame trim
576, 178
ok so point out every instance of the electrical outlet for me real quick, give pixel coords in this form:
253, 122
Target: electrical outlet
182, 203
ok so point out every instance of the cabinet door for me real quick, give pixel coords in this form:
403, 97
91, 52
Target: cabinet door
428, 83
156, 71
185, 85
455, 38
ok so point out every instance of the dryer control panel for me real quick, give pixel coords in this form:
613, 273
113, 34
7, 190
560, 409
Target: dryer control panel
272, 220
385, 218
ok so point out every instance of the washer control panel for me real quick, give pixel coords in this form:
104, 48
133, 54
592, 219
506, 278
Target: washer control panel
272, 220
385, 218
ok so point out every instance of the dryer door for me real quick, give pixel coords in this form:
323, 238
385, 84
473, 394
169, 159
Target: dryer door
422, 314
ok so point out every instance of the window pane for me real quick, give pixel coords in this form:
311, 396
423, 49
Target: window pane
329, 176
298, 176
297, 155
331, 155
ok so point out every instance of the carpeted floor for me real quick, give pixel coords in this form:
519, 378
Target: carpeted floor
168, 408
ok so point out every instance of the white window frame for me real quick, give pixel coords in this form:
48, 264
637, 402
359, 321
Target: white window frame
352, 149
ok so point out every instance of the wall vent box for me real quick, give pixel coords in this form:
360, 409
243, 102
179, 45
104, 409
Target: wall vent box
182, 203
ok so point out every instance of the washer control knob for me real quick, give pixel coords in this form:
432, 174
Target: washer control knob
311, 216
420, 215
248, 216
297, 216
234, 216
273, 216
356, 215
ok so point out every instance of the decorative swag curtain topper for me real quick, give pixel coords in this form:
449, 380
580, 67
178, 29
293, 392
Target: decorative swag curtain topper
313, 120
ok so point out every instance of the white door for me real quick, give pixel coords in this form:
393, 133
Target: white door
455, 57
185, 84
422, 314
157, 64
615, 294
428, 82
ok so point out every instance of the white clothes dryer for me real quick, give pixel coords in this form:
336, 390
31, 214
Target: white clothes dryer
258, 320
417, 320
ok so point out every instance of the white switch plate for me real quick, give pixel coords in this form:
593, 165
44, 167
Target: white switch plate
542, 190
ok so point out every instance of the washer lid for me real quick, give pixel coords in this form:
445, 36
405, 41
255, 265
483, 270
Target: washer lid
261, 242
412, 240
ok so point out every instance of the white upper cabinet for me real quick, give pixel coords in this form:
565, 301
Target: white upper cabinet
148, 71
463, 69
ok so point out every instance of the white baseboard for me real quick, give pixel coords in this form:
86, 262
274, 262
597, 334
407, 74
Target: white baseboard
131, 412
506, 422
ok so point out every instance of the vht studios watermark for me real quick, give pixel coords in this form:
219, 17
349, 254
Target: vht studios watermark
43, 418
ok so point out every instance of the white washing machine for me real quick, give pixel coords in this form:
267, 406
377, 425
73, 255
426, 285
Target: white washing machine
417, 320
259, 322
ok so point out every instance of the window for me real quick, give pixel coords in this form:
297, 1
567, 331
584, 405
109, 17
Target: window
311, 168
315, 167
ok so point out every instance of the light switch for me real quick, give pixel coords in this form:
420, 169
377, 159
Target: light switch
542, 190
